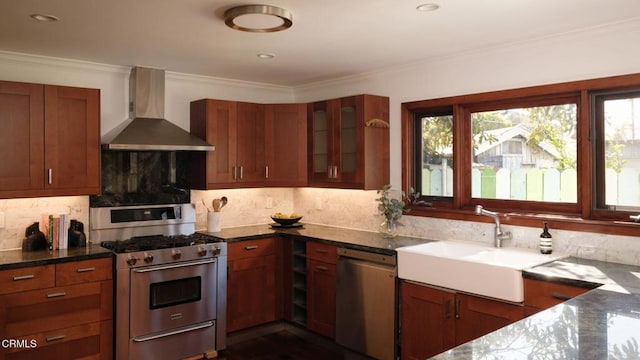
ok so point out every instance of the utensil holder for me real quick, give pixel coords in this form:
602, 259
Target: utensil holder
213, 221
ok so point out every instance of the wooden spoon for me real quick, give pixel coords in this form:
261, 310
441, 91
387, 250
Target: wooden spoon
216, 205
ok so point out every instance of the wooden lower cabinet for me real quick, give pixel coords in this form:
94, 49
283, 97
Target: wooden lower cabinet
434, 320
251, 284
69, 318
540, 295
321, 288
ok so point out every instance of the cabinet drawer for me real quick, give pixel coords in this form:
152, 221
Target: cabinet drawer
252, 248
78, 272
322, 252
45, 310
544, 294
28, 278
84, 341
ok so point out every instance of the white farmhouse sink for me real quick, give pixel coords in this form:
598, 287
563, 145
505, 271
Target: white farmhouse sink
472, 268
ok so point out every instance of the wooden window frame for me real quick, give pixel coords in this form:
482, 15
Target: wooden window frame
582, 216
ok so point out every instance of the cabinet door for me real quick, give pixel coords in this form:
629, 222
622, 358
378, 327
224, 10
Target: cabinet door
320, 138
480, 316
214, 121
72, 139
251, 287
250, 161
348, 130
321, 297
286, 144
21, 138
427, 321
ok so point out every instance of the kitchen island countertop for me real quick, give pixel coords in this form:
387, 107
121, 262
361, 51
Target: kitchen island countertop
600, 324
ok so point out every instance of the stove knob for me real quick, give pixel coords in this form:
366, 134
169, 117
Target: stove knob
132, 260
202, 251
148, 258
215, 251
176, 254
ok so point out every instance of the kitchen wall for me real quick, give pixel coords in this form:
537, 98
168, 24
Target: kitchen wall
593, 53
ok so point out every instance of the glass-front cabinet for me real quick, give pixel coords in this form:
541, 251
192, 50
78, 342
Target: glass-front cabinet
349, 142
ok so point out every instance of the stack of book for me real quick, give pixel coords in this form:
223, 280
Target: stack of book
56, 229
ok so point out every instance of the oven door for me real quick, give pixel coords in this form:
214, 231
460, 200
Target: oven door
170, 296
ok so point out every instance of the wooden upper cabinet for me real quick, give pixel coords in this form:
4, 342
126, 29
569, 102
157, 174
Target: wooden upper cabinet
349, 142
22, 137
286, 144
72, 138
255, 144
50, 143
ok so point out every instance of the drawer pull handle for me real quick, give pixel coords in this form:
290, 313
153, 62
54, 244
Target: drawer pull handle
458, 316
23, 277
81, 270
55, 338
252, 247
448, 310
322, 268
560, 296
322, 251
55, 295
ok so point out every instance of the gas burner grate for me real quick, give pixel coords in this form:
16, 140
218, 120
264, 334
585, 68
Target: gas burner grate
156, 242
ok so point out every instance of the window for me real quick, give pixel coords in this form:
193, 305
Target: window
435, 146
525, 153
617, 155
565, 152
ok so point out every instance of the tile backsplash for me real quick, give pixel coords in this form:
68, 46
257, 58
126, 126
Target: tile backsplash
20, 213
354, 209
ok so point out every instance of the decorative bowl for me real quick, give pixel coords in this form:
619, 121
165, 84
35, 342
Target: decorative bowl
288, 221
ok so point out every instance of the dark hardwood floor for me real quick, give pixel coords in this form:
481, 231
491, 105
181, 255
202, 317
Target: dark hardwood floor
283, 342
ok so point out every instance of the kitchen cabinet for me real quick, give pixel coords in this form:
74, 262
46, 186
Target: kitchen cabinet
256, 144
349, 142
434, 320
540, 295
285, 144
321, 288
50, 143
63, 311
252, 290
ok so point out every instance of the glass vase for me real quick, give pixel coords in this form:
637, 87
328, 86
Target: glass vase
388, 228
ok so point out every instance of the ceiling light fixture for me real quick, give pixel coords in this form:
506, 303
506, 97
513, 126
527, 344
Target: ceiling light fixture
266, 56
44, 18
428, 7
258, 18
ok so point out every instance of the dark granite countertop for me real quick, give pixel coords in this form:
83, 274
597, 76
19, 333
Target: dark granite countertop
355, 239
600, 324
11, 259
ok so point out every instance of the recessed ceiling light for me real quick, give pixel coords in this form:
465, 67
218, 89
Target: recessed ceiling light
258, 18
428, 7
44, 18
266, 56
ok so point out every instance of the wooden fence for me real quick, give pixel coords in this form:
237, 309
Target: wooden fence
534, 184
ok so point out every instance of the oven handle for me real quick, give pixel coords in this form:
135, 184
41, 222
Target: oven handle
173, 266
174, 332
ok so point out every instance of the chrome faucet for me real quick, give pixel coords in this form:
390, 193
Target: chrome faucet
499, 234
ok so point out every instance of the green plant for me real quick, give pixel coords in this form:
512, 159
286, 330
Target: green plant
391, 208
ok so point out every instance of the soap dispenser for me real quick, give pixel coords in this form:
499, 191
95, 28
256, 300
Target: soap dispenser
546, 246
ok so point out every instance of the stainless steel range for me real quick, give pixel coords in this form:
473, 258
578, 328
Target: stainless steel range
170, 281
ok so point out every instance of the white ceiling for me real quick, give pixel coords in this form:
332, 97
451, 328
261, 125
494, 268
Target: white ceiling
329, 38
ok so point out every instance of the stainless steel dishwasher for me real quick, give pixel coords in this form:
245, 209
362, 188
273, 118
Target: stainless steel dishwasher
366, 303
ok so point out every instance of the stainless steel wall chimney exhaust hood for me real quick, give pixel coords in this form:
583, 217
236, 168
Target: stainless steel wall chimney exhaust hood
146, 128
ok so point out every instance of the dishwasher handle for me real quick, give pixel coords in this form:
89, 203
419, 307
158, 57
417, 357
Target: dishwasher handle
368, 256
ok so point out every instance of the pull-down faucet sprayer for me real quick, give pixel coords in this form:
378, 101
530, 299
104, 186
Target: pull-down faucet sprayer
499, 235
